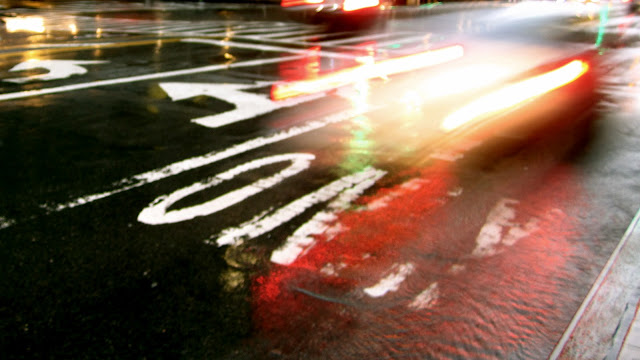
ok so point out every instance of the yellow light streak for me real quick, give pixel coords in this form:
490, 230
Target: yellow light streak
515, 94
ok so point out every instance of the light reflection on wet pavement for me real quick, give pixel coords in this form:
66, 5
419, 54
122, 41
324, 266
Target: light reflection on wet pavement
401, 249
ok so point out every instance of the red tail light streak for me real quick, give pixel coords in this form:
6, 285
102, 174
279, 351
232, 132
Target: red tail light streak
515, 94
368, 70
290, 3
348, 5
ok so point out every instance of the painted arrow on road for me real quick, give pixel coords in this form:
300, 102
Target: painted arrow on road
58, 69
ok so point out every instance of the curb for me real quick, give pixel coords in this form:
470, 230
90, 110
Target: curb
599, 327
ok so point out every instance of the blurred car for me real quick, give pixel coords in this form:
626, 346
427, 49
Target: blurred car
468, 93
344, 13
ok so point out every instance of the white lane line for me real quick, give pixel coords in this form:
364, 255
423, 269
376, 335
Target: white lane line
317, 36
258, 226
351, 40
392, 282
223, 43
131, 79
286, 35
207, 159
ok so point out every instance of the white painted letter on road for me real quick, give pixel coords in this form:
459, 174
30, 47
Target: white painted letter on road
248, 105
347, 185
157, 212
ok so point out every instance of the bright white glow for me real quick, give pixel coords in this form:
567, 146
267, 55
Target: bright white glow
464, 79
512, 95
32, 24
367, 71
351, 5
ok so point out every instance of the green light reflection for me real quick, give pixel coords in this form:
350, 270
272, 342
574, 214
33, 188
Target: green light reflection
604, 19
358, 153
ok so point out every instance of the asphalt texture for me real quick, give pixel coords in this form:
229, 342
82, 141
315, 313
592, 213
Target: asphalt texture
158, 203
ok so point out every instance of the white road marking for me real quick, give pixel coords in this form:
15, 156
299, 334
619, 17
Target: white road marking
5, 223
209, 158
132, 79
58, 69
234, 44
261, 225
157, 213
499, 219
392, 282
302, 239
411, 185
427, 298
351, 40
248, 105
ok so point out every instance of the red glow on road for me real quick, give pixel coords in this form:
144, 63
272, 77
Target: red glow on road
304, 68
304, 311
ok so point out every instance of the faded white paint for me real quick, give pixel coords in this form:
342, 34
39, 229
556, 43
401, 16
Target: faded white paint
427, 298
391, 283
262, 47
499, 229
405, 188
157, 213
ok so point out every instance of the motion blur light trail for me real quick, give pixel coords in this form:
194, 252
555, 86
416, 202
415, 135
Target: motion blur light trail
352, 5
515, 94
30, 24
368, 70
450, 303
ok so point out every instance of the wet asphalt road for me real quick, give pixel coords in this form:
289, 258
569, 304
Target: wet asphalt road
156, 204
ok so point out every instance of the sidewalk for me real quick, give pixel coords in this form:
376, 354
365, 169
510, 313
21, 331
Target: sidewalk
631, 346
607, 325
